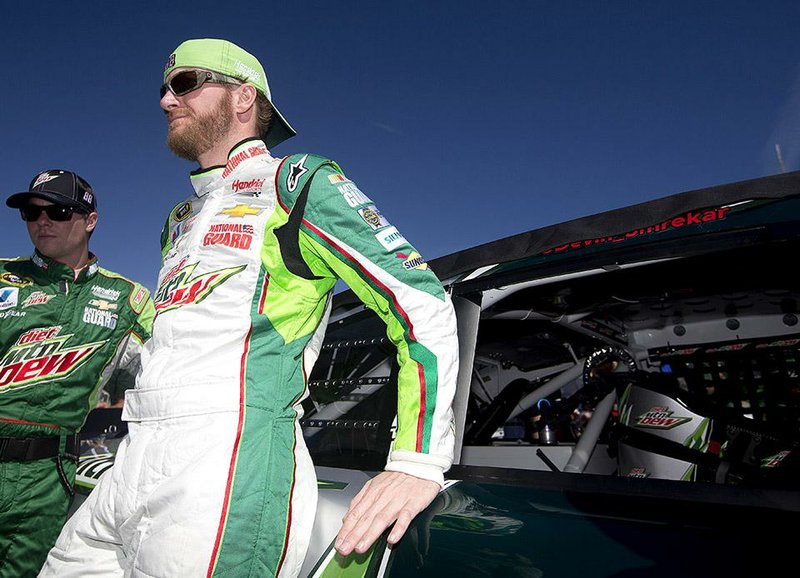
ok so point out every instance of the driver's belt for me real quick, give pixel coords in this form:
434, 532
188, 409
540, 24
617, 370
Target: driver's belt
29, 449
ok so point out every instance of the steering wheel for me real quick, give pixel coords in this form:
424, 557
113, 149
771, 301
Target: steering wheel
604, 361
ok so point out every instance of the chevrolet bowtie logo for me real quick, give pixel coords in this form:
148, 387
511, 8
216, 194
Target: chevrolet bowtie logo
102, 305
241, 211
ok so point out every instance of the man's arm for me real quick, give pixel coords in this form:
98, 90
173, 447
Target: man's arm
344, 232
120, 374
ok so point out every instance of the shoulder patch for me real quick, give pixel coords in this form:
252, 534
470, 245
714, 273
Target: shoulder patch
294, 172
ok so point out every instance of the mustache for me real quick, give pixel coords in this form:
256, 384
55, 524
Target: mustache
177, 112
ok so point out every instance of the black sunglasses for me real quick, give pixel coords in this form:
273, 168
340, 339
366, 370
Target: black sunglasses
31, 213
188, 80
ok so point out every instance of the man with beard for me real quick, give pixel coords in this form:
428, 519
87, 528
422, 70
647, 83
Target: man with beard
214, 477
70, 335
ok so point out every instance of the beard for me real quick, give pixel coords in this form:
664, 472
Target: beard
203, 132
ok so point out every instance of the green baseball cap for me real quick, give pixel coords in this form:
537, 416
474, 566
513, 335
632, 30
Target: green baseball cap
226, 58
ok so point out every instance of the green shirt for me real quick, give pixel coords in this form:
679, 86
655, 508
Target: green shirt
67, 341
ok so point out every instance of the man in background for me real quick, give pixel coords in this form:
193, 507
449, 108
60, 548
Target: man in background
70, 332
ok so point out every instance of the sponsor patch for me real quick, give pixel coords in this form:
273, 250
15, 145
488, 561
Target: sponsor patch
390, 238
337, 178
102, 304
413, 261
105, 293
252, 186
240, 211
182, 211
15, 280
41, 354
352, 195
243, 155
180, 288
140, 295
182, 228
103, 318
296, 170
8, 297
37, 298
12, 313
234, 235
176, 232
372, 216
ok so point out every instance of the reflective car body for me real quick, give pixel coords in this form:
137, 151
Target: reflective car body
628, 399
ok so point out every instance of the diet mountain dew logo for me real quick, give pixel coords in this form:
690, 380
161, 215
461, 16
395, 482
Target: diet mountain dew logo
179, 288
661, 418
41, 354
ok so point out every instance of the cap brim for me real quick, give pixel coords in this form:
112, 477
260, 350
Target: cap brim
18, 200
279, 130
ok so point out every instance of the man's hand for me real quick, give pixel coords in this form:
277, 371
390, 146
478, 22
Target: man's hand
388, 498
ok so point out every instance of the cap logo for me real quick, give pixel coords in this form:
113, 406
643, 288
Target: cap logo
170, 61
87, 196
43, 178
247, 71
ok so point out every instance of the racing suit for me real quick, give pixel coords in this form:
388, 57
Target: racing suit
65, 340
226, 486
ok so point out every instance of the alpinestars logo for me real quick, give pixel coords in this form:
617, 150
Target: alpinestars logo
40, 354
181, 288
296, 170
660, 418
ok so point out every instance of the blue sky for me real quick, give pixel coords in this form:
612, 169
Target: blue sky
464, 121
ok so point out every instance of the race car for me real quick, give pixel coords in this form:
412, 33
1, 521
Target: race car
628, 399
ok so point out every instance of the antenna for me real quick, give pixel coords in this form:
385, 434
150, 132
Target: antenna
780, 157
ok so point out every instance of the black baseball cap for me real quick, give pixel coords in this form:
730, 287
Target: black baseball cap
59, 187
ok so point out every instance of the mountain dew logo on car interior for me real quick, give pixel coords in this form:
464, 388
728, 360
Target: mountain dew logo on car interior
179, 288
39, 354
660, 417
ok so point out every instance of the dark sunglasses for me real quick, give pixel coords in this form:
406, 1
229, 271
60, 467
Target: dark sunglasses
188, 80
32, 213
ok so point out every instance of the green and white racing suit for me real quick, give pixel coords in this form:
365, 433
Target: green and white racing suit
224, 485
65, 340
